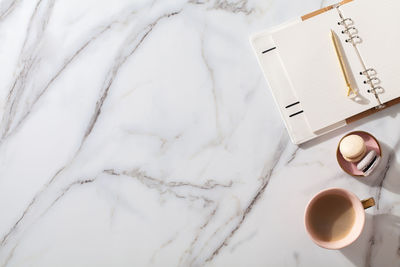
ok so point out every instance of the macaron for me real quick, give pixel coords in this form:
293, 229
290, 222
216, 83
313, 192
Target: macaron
353, 148
368, 163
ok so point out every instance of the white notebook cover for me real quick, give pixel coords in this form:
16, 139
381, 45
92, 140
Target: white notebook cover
311, 73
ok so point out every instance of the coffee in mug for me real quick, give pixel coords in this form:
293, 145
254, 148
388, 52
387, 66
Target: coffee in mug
335, 217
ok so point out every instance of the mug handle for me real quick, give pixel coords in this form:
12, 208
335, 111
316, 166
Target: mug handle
368, 203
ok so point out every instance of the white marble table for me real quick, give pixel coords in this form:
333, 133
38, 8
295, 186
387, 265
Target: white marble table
142, 133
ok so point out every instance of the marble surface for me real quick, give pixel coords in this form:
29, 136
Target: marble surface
142, 133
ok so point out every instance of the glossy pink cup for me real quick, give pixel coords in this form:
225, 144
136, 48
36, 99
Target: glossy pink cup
358, 206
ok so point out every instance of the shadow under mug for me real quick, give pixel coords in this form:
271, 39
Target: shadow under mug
358, 205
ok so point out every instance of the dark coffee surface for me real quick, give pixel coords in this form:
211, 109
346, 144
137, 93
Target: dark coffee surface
331, 217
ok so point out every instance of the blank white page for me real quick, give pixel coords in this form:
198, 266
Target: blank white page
378, 25
308, 54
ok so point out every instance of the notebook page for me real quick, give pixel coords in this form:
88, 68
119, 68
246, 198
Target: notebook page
308, 54
378, 25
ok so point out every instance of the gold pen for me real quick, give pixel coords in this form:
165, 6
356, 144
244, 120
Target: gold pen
339, 55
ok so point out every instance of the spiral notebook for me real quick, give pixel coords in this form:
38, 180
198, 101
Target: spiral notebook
300, 64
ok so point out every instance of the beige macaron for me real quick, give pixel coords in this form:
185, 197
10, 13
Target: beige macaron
353, 148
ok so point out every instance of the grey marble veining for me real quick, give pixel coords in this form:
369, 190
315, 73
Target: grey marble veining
142, 133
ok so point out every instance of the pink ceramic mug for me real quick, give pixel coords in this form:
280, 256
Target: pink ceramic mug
356, 228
